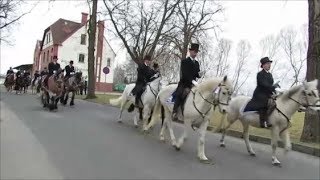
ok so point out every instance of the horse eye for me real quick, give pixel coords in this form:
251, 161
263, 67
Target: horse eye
224, 93
309, 94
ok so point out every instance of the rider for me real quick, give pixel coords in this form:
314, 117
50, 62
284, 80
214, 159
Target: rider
10, 71
44, 72
145, 75
189, 72
52, 66
35, 76
69, 68
265, 88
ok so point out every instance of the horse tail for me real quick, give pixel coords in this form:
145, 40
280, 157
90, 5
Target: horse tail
116, 101
156, 111
221, 124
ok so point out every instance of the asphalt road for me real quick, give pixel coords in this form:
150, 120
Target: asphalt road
86, 142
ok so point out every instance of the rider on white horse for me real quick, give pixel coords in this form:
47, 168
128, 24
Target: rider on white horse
263, 92
145, 75
189, 72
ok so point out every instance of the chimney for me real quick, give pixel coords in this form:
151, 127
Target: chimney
84, 18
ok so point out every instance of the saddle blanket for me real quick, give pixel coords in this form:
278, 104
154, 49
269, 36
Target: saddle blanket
244, 110
172, 98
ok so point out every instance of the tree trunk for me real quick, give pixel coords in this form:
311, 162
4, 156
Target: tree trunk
91, 50
311, 129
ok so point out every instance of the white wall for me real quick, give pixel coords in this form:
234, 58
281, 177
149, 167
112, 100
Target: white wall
47, 40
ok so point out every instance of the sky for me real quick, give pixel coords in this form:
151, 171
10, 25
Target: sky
250, 20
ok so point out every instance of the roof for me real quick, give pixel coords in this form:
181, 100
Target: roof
61, 30
24, 67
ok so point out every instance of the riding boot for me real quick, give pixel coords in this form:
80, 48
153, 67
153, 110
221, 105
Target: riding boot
175, 109
264, 119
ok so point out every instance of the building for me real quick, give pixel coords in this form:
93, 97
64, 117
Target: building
68, 40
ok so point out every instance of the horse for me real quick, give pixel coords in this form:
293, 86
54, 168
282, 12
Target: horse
287, 103
148, 99
19, 84
35, 84
209, 94
9, 82
71, 85
50, 95
26, 81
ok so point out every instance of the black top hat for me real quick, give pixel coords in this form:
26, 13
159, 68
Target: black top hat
194, 46
264, 60
155, 65
71, 62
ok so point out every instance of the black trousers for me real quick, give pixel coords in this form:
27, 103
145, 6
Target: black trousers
138, 91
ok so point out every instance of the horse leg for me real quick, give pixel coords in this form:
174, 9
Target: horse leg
146, 114
169, 125
231, 118
274, 142
201, 142
163, 128
135, 118
72, 98
246, 139
56, 103
285, 136
66, 97
187, 124
123, 103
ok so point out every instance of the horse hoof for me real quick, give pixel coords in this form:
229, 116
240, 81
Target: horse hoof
136, 126
176, 148
206, 161
222, 145
277, 164
252, 154
120, 122
71, 104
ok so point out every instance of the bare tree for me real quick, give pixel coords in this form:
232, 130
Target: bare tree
91, 49
311, 128
119, 74
221, 59
240, 76
270, 47
140, 25
11, 11
194, 18
290, 46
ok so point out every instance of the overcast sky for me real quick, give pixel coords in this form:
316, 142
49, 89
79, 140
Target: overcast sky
251, 20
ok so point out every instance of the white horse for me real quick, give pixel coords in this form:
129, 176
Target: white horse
148, 99
287, 103
210, 93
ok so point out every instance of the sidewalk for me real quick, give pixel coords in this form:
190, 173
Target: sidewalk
22, 155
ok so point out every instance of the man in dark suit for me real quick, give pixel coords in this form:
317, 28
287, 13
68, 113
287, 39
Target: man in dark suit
145, 75
69, 69
52, 66
10, 71
189, 72
263, 92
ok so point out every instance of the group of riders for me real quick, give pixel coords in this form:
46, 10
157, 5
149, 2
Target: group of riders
190, 71
21, 81
53, 69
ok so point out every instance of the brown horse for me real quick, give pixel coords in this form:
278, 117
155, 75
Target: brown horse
53, 92
72, 85
9, 82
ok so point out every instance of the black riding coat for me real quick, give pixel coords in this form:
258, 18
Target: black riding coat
145, 74
68, 70
53, 67
263, 91
10, 72
189, 71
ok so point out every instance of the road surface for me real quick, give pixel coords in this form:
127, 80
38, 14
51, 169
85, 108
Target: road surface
86, 142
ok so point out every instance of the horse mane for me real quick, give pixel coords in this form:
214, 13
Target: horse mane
211, 83
288, 93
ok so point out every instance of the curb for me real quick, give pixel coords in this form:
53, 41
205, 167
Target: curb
295, 147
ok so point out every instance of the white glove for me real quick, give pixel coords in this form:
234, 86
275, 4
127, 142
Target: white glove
155, 75
195, 83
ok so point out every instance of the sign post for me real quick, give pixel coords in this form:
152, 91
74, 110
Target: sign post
106, 71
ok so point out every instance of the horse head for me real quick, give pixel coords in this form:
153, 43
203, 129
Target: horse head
220, 91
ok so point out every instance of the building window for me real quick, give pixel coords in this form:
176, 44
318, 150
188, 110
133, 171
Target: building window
108, 62
81, 58
83, 39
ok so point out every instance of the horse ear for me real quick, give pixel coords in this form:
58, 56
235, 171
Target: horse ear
225, 78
